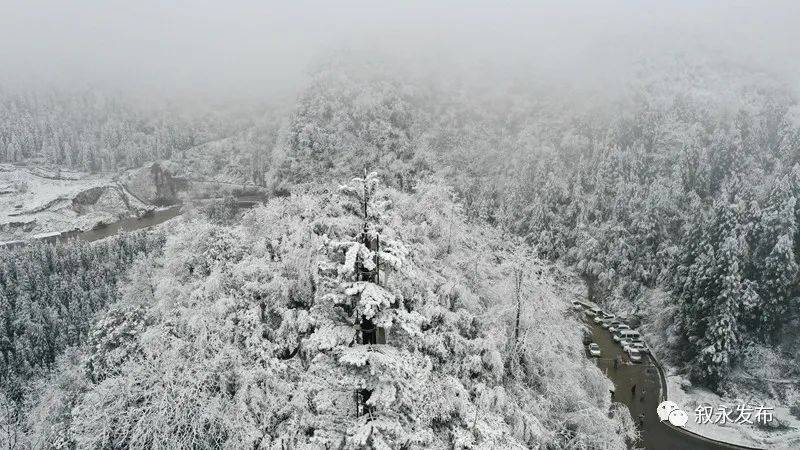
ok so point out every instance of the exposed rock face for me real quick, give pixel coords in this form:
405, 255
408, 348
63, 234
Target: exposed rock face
43, 203
156, 184
88, 196
25, 226
108, 199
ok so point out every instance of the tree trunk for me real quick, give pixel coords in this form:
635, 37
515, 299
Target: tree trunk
518, 291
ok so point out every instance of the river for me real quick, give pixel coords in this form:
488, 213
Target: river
645, 376
129, 224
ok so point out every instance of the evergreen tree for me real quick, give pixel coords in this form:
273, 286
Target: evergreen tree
358, 342
774, 261
720, 343
50, 293
712, 287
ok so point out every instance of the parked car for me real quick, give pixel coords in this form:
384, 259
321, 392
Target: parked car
607, 322
618, 330
602, 316
634, 355
638, 345
577, 305
617, 326
627, 334
594, 349
594, 311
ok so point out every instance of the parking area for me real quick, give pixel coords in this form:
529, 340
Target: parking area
637, 384
632, 348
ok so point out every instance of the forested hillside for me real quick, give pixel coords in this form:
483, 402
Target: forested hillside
243, 336
49, 294
405, 225
684, 179
95, 130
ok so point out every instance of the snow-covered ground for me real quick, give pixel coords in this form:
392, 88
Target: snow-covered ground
689, 398
761, 365
36, 201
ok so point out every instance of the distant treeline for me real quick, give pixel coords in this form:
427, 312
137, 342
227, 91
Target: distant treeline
94, 131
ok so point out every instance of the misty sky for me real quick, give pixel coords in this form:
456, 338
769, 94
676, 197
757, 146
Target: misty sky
237, 46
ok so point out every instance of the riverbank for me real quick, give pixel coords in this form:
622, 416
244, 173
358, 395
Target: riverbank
40, 203
149, 219
50, 203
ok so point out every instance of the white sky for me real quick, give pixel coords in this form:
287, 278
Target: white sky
236, 46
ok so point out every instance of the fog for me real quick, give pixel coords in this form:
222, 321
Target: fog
184, 264
248, 47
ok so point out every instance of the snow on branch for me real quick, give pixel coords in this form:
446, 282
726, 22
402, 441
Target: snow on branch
373, 298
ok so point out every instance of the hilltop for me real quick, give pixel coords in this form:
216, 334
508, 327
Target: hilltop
223, 341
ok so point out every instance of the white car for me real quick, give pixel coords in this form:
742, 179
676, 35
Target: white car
617, 331
627, 334
602, 317
617, 326
634, 355
594, 349
577, 305
607, 322
638, 345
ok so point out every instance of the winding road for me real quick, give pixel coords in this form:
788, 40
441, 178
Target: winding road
655, 435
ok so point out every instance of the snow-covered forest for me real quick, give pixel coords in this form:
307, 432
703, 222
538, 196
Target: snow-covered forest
243, 336
387, 254
686, 183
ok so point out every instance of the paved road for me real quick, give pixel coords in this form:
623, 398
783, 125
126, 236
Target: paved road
655, 435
